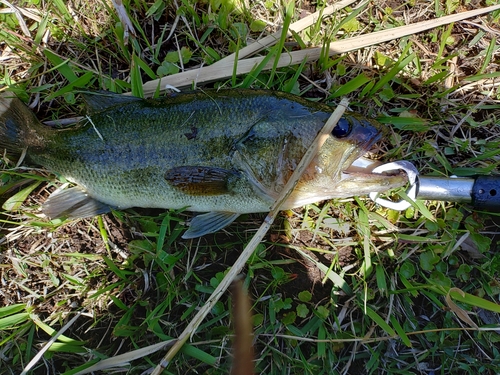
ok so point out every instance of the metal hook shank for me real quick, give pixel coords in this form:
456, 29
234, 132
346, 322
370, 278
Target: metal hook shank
412, 191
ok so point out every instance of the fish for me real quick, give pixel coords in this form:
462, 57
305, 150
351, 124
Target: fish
219, 153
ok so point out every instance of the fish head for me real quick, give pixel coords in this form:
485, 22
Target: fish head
351, 138
331, 173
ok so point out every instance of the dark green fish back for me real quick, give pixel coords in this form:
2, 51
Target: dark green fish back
188, 129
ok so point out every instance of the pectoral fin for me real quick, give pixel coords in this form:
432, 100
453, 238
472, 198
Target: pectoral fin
209, 223
199, 180
73, 203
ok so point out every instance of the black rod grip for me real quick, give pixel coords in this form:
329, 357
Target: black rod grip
486, 193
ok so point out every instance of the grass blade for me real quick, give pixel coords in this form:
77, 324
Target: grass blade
351, 86
400, 331
289, 11
400, 65
61, 65
336, 279
12, 309
15, 202
379, 321
13, 320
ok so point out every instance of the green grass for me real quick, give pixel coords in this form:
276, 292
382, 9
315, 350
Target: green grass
341, 287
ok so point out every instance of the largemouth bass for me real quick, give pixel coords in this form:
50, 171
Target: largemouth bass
220, 152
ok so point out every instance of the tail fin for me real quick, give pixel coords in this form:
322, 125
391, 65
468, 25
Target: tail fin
16, 124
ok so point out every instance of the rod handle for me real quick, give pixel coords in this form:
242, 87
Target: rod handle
486, 193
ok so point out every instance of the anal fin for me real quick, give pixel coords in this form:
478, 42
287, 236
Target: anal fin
73, 203
209, 223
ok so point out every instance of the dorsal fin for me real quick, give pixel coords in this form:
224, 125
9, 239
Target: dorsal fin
98, 101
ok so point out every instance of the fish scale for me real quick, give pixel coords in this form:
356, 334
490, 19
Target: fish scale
221, 152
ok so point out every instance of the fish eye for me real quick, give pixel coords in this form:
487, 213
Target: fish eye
342, 129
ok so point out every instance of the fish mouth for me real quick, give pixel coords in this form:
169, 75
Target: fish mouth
359, 176
356, 180
363, 165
